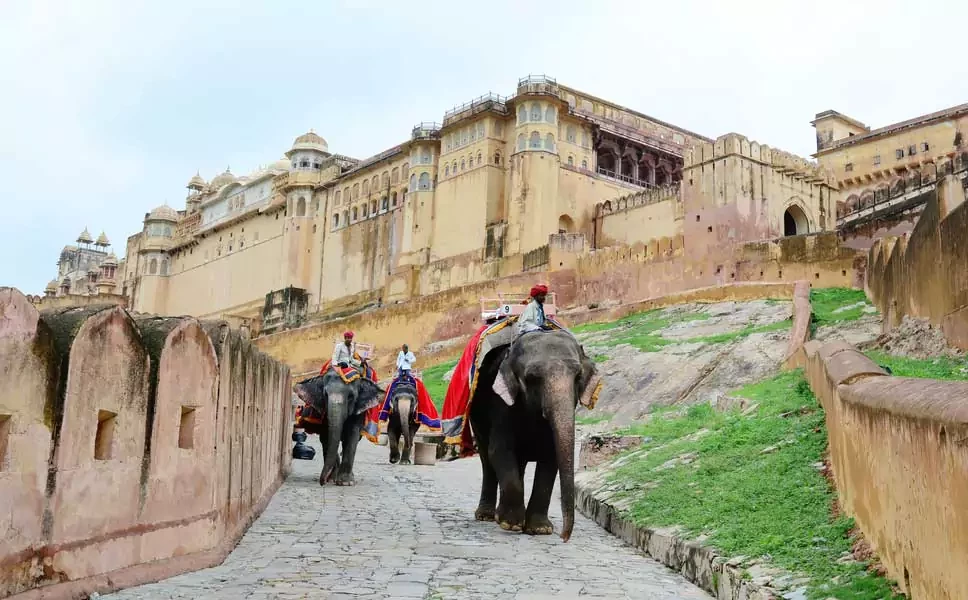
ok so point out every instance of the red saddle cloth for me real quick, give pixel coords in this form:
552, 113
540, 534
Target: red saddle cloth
307, 417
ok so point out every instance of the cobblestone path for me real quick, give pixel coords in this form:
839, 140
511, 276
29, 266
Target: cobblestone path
408, 532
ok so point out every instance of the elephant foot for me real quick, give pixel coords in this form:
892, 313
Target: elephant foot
538, 525
405, 460
394, 459
484, 513
345, 479
511, 520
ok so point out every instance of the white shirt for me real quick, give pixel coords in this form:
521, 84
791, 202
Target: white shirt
532, 319
344, 354
405, 360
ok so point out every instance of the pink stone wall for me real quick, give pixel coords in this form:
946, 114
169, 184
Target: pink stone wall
125, 442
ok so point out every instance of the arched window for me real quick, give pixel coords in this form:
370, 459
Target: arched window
584, 163
480, 129
364, 210
446, 170
315, 206
385, 203
405, 169
356, 191
164, 266
153, 267
535, 112
385, 179
497, 158
473, 133
424, 181
335, 220
336, 198
522, 115
462, 164
480, 160
375, 184
346, 195
570, 134
454, 167
356, 214
366, 188
584, 139
535, 142
571, 160
373, 208
413, 182
549, 143
521, 141
550, 114
393, 198
346, 218
301, 207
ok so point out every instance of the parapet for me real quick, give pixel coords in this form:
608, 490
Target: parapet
637, 199
737, 144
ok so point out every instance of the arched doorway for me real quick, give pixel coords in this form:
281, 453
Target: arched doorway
566, 224
795, 221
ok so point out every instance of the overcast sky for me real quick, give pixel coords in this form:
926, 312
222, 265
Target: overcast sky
108, 107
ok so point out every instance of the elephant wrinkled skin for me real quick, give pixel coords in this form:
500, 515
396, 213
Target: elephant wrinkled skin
403, 421
343, 407
523, 410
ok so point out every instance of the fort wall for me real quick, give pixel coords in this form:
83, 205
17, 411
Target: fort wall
127, 441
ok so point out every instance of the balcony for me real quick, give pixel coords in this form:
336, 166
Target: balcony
425, 131
538, 84
625, 178
489, 101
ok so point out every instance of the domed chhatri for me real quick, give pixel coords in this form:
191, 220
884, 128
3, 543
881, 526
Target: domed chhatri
163, 213
280, 165
52, 286
111, 260
222, 179
102, 240
310, 141
196, 182
85, 237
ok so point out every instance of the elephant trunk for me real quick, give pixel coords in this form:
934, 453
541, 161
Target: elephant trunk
403, 413
336, 417
559, 409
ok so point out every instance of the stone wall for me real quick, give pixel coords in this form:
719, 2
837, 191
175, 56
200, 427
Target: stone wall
127, 441
900, 463
923, 274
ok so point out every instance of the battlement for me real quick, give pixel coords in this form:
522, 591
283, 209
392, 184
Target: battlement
736, 144
644, 198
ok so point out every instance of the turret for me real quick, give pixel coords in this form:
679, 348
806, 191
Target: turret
195, 187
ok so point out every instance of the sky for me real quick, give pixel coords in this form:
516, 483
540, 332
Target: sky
108, 107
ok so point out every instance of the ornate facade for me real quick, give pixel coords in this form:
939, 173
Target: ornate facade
86, 269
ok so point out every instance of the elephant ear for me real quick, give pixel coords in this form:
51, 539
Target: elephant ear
506, 384
589, 383
368, 396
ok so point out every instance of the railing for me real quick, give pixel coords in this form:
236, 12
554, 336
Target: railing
489, 101
630, 133
625, 178
425, 130
538, 84
537, 79
903, 195
537, 258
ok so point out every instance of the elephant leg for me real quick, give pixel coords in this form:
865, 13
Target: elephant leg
408, 436
351, 439
393, 439
537, 521
510, 510
487, 505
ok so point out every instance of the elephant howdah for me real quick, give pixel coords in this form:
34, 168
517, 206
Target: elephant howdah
336, 408
520, 400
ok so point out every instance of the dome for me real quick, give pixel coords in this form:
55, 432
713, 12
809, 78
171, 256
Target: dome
222, 180
102, 240
163, 213
280, 165
310, 141
196, 181
52, 286
85, 237
110, 261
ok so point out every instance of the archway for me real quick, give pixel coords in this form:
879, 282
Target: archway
566, 224
795, 221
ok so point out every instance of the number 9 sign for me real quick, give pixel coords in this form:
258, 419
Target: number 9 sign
506, 309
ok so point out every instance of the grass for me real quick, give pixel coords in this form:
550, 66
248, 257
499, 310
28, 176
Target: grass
951, 369
639, 330
773, 504
600, 358
587, 419
435, 384
746, 331
825, 303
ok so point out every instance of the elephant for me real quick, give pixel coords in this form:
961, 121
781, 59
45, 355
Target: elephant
343, 409
403, 421
523, 410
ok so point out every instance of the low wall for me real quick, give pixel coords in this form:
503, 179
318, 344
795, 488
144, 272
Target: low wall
131, 449
900, 463
923, 274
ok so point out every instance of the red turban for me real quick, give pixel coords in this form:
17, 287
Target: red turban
347, 334
538, 290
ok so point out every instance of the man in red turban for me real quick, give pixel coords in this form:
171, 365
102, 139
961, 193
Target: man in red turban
345, 354
533, 317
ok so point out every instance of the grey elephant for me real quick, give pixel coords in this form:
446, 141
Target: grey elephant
336, 411
402, 422
523, 410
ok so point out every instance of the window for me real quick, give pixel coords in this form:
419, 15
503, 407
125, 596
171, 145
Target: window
335, 220
571, 160
480, 160
355, 214
164, 266
570, 134
899, 153
385, 203
393, 198
424, 181
498, 129
356, 191
550, 114
405, 169
375, 184
301, 207
584, 163
462, 164
446, 170
304, 164
522, 114
497, 158
385, 179
877, 160
463, 137
104, 436
454, 167
912, 150
549, 144
425, 157
536, 112
186, 428
395, 175
153, 267
521, 141
535, 142
336, 198
373, 208
849, 167
413, 182
584, 139
366, 188
346, 195
924, 146
473, 133
364, 212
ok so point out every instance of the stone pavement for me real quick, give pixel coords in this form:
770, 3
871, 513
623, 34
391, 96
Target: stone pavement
409, 532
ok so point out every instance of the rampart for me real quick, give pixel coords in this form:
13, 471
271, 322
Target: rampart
900, 462
923, 274
131, 448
